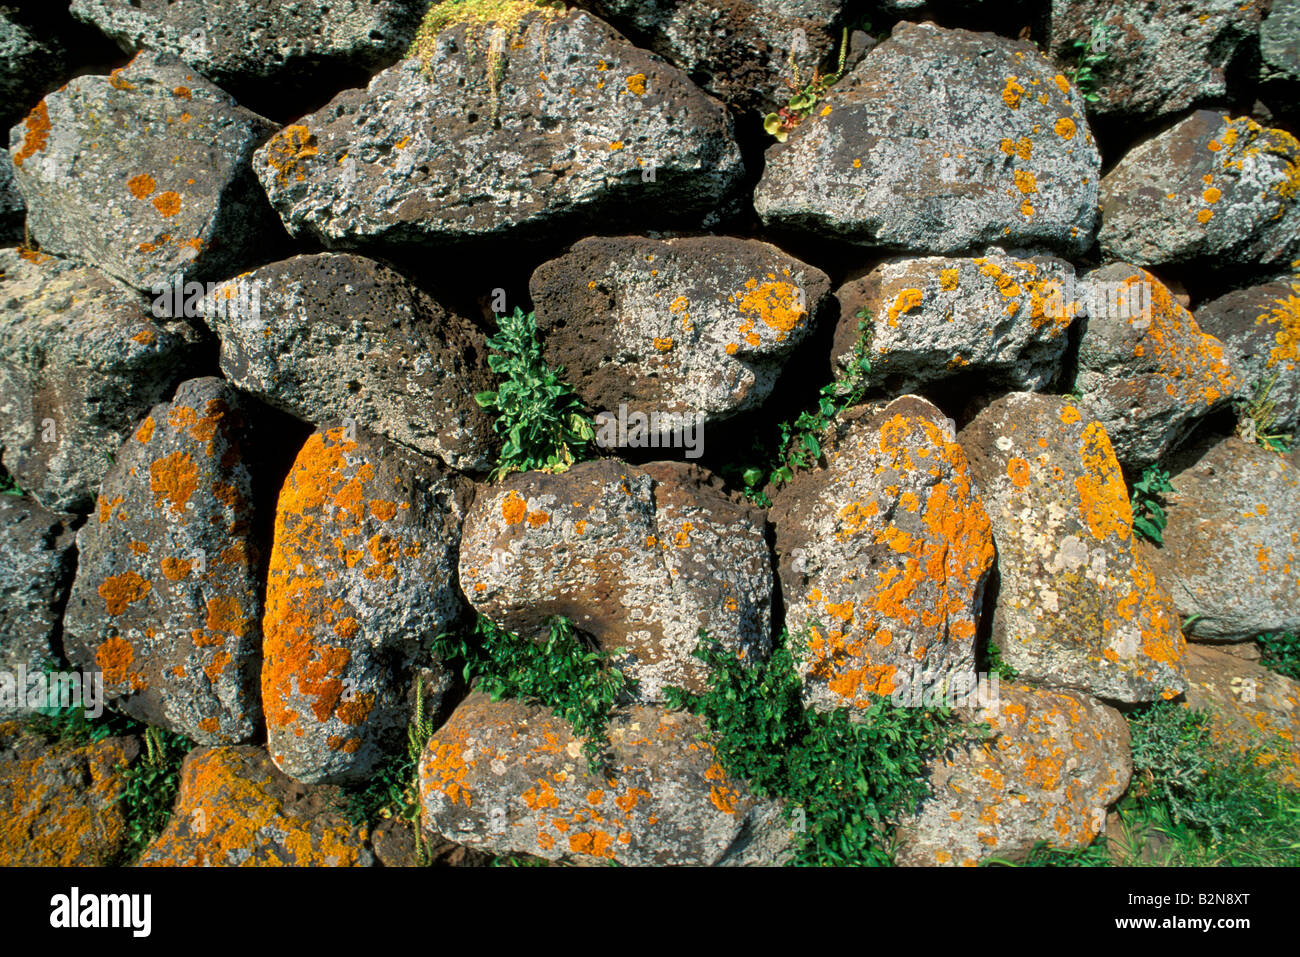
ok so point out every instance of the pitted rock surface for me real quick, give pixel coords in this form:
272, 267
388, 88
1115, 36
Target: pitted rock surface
562, 122
1000, 152
1159, 57
682, 326
883, 555
639, 558
1260, 330
81, 362
167, 600
1146, 370
1213, 188
37, 559
1002, 317
61, 800
511, 777
1078, 607
1231, 553
1056, 761
362, 578
1279, 39
337, 336
12, 207
29, 64
234, 809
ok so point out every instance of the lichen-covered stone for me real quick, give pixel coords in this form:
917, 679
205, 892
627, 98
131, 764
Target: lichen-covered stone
59, 802
1260, 330
639, 558
12, 208
336, 336
234, 809
738, 50
81, 361
29, 64
1078, 606
1056, 760
1160, 57
562, 121
681, 326
1252, 708
237, 42
144, 173
1231, 552
998, 152
37, 558
167, 598
511, 777
1003, 318
1279, 39
362, 577
883, 555
1212, 189
1146, 371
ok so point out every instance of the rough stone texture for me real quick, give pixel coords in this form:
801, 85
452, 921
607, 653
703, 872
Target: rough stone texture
738, 51
167, 598
237, 41
1057, 759
511, 777
1077, 606
81, 361
60, 800
37, 558
1003, 318
683, 326
1260, 331
144, 173
336, 336
1231, 553
563, 125
12, 208
1279, 39
1252, 707
1161, 57
362, 577
1146, 370
235, 809
998, 152
639, 558
883, 555
1212, 188
29, 65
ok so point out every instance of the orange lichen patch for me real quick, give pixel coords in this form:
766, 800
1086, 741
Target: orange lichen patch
948, 279
168, 204
775, 303
145, 337
141, 186
514, 509
182, 91
1070, 414
904, 302
119, 591
1212, 195
1064, 128
1012, 93
1285, 315
1023, 147
636, 83
383, 510
174, 569
173, 480
288, 151
116, 81
536, 519
37, 136
1025, 181
1103, 497
1062, 84
1204, 216
114, 657
663, 343
1018, 472
226, 614
105, 508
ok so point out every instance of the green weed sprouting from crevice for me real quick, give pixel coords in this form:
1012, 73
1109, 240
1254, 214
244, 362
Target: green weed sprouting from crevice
1089, 56
149, 788
994, 664
844, 782
1257, 419
795, 443
560, 671
540, 418
1281, 653
1148, 504
804, 96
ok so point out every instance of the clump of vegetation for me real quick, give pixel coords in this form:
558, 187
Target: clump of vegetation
1257, 419
149, 788
8, 484
1281, 653
1148, 504
538, 415
561, 671
844, 781
994, 664
805, 96
1089, 57
795, 443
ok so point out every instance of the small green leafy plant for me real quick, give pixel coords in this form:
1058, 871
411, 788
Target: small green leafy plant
994, 664
804, 95
8, 484
149, 787
538, 415
560, 671
1281, 653
1257, 419
1089, 56
1148, 504
844, 781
